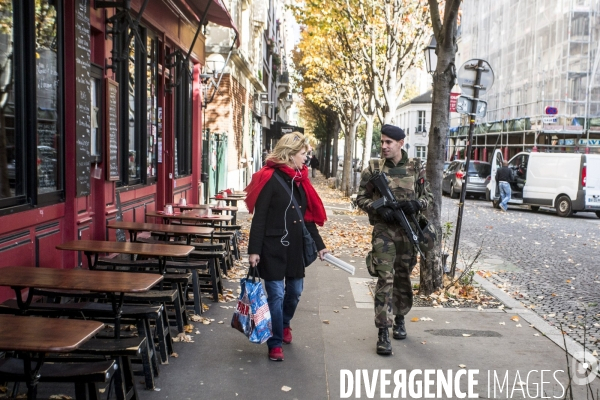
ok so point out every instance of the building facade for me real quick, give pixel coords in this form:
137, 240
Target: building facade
100, 115
544, 55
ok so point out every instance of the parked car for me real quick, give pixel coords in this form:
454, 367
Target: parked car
567, 182
479, 172
446, 165
356, 163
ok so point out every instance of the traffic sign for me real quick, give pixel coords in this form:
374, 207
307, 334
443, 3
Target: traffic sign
551, 110
467, 75
465, 105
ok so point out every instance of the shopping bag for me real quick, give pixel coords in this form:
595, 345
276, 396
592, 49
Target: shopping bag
241, 316
252, 316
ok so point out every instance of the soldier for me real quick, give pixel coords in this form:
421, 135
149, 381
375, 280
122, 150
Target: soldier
393, 256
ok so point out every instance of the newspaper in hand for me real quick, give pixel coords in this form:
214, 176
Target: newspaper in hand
339, 263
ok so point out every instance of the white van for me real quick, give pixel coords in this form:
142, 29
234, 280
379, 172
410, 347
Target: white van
567, 182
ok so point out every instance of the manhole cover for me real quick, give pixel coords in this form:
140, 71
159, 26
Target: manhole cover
461, 332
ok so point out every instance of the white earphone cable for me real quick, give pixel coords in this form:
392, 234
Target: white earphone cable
284, 242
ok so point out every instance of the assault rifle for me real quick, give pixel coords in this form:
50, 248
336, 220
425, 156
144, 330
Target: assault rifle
379, 180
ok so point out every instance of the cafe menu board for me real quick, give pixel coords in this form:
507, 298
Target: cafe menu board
112, 130
83, 100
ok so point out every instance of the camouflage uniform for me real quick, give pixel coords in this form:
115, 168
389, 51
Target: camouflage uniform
393, 257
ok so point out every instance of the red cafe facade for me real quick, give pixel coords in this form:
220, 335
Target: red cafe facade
98, 99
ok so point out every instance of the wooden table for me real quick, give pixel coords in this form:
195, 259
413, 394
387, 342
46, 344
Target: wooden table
114, 283
182, 230
33, 336
95, 247
203, 207
229, 209
230, 199
191, 216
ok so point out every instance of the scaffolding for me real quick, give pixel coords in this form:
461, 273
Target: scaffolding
544, 53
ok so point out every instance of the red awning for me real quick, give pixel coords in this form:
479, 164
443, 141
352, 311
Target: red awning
217, 13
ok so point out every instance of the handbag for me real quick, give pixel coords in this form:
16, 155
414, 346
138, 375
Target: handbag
252, 316
310, 251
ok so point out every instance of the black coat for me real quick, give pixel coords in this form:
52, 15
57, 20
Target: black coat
276, 260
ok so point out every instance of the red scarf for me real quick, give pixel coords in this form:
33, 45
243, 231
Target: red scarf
315, 211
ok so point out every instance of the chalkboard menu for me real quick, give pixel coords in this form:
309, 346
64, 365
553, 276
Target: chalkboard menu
112, 130
83, 97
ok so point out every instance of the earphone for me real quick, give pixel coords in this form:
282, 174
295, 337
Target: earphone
298, 174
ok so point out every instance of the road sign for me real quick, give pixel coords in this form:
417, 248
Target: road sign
464, 105
549, 120
551, 110
467, 75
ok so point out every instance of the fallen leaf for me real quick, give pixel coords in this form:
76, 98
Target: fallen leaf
595, 353
175, 355
336, 311
326, 321
415, 319
514, 318
426, 319
423, 342
286, 388
502, 323
466, 334
518, 325
188, 328
536, 334
462, 365
345, 307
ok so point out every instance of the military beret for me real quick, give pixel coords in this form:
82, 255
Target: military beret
393, 132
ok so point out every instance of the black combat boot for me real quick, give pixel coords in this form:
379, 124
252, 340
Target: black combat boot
399, 331
384, 347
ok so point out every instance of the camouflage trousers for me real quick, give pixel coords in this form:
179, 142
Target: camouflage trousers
393, 258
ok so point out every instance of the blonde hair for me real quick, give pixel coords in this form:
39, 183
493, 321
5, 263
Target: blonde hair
289, 145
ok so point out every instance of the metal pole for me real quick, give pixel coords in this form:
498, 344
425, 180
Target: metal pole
463, 189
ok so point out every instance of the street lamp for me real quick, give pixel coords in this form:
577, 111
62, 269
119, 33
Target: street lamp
430, 56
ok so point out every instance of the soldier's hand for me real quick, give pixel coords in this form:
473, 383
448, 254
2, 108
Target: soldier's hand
386, 213
410, 207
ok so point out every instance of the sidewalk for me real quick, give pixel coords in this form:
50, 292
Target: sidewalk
334, 335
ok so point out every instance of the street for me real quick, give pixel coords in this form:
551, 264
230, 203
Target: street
548, 261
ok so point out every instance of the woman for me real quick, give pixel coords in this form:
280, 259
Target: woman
275, 245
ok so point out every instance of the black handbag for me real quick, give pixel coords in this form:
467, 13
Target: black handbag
310, 251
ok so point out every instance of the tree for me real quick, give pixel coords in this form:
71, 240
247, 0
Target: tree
444, 29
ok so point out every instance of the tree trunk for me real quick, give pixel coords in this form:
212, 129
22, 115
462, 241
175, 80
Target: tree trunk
366, 156
336, 135
443, 80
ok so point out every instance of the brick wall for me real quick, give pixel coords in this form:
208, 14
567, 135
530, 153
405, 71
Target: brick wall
226, 114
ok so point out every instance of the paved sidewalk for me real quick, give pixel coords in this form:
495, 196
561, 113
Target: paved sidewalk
334, 332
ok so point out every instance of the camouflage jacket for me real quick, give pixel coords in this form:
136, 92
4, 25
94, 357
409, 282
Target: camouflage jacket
406, 180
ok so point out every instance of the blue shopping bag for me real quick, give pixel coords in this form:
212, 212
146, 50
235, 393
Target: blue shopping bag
252, 316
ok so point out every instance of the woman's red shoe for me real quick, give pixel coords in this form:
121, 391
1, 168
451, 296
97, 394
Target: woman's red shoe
287, 335
276, 354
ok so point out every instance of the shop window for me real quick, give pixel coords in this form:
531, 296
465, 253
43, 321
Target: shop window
152, 106
31, 156
421, 152
96, 111
183, 120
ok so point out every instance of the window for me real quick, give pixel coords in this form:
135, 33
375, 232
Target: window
421, 121
152, 106
31, 155
137, 77
421, 152
183, 118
